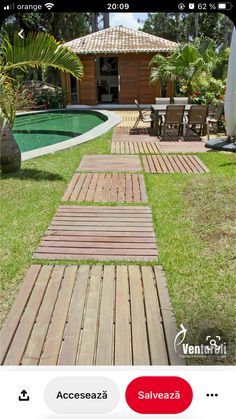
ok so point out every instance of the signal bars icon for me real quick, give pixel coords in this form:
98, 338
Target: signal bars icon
49, 6
9, 7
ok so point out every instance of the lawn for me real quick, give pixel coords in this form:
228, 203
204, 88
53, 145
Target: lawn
193, 217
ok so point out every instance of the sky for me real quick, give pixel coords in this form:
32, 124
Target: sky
130, 20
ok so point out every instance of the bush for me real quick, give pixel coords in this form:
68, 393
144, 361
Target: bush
212, 92
44, 94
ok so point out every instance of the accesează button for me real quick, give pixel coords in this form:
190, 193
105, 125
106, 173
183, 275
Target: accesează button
158, 395
95, 395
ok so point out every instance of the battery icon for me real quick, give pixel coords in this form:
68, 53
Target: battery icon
224, 6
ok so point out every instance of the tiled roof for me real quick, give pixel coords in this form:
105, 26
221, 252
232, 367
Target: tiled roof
120, 40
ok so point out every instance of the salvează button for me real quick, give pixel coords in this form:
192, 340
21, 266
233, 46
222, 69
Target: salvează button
159, 395
76, 395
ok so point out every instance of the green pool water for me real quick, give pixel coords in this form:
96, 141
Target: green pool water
38, 130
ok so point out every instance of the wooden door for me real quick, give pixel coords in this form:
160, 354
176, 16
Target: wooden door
88, 84
128, 78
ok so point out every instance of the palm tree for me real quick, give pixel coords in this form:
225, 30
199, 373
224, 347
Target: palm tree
38, 50
188, 64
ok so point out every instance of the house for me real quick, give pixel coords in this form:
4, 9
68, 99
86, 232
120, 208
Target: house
116, 67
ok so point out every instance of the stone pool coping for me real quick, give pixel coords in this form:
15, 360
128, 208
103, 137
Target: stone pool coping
101, 129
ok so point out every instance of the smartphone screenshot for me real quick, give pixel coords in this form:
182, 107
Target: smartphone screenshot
117, 158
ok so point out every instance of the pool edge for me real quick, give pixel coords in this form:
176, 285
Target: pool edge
112, 121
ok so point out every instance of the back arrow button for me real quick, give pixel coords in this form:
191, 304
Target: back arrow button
21, 33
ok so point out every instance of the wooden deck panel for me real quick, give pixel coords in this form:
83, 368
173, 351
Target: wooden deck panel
99, 233
134, 147
173, 164
181, 147
96, 315
106, 187
110, 163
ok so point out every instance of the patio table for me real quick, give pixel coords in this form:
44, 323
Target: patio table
159, 110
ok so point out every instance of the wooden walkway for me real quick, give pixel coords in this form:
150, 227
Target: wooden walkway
181, 147
106, 187
134, 147
109, 163
90, 315
173, 164
100, 233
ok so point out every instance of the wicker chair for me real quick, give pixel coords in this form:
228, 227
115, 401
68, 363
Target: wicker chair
197, 121
172, 123
180, 100
144, 115
162, 100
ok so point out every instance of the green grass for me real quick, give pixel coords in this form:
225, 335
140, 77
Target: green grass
193, 219
28, 202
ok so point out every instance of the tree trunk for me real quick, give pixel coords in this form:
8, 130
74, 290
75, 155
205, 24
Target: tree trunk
10, 155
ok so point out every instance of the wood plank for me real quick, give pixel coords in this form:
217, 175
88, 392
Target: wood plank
98, 225
92, 188
110, 163
114, 188
136, 190
71, 186
94, 239
83, 192
73, 330
180, 163
54, 337
146, 164
200, 163
121, 188
106, 188
128, 188
138, 322
154, 321
79, 185
21, 337
167, 316
105, 343
100, 184
34, 348
173, 164
12, 322
142, 188
90, 330
123, 354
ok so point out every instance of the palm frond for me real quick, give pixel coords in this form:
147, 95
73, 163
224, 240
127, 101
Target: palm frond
37, 50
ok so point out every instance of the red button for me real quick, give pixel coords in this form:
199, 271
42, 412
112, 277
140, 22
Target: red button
168, 395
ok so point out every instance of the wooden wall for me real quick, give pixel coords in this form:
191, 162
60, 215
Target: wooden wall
134, 72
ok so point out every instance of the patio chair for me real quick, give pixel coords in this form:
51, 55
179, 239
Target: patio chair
162, 100
144, 115
211, 110
197, 121
172, 121
180, 100
213, 120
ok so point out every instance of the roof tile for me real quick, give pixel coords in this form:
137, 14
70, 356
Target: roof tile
120, 40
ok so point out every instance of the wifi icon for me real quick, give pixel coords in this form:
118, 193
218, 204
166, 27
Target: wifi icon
49, 6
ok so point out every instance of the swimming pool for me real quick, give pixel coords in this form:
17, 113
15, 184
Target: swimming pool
41, 129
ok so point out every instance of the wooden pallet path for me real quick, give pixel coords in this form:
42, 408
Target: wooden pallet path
90, 315
181, 147
106, 187
134, 147
173, 164
109, 163
99, 233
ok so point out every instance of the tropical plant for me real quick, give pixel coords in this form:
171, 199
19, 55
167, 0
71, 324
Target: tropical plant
37, 50
189, 65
